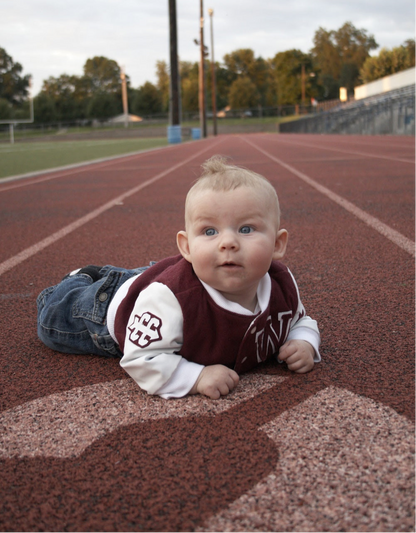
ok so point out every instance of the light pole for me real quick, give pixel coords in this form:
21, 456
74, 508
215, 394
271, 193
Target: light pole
213, 90
174, 107
124, 97
303, 84
202, 112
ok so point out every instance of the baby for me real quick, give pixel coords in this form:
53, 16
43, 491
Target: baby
192, 323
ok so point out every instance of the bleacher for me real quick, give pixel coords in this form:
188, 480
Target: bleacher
388, 113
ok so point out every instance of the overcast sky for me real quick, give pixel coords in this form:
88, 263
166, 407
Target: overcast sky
53, 37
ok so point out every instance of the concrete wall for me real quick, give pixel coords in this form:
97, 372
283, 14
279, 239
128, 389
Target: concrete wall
388, 83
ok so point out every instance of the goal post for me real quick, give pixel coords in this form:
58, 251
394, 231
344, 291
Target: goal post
12, 122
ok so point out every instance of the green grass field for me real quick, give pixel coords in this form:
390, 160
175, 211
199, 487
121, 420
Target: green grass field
21, 158
31, 155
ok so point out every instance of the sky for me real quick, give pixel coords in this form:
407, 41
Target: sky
54, 37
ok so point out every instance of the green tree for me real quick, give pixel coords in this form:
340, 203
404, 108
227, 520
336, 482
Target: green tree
224, 78
104, 105
240, 62
263, 80
388, 62
13, 86
287, 77
147, 100
339, 55
410, 47
163, 83
69, 96
243, 63
45, 109
243, 94
103, 74
76, 97
6, 110
189, 74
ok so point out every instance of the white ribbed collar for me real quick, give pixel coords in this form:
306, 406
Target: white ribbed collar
263, 298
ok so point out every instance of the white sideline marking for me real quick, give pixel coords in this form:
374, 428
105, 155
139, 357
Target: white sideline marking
35, 248
67, 170
388, 232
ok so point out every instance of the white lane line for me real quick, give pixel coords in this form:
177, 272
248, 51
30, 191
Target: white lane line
388, 232
353, 152
35, 248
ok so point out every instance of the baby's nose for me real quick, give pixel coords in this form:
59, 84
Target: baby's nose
229, 240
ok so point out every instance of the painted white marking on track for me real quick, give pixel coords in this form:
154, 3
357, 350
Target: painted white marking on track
65, 424
336, 471
35, 248
385, 230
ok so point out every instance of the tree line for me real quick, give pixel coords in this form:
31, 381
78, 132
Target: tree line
338, 58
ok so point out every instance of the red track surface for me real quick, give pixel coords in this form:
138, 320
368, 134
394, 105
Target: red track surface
83, 449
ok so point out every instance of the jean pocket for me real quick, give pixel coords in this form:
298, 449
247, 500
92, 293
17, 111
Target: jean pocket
43, 296
93, 303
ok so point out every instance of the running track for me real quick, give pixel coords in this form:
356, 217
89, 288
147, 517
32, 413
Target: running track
83, 449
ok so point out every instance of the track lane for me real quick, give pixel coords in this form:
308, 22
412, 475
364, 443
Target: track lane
385, 230
384, 189
398, 148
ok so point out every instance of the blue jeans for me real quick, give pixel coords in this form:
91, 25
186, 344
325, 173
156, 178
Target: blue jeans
72, 316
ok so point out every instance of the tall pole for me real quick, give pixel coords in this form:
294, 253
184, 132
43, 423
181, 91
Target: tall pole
303, 85
202, 112
174, 107
214, 89
124, 97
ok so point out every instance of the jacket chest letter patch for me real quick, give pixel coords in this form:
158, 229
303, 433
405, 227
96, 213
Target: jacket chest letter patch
145, 329
268, 340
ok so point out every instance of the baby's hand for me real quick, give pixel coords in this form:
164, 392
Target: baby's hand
298, 355
215, 381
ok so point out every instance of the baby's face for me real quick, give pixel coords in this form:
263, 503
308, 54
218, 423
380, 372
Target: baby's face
231, 240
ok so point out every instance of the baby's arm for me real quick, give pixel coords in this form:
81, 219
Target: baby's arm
152, 351
154, 336
215, 381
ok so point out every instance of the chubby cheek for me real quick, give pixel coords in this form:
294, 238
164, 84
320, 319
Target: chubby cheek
261, 253
201, 256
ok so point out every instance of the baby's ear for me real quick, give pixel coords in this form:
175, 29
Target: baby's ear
280, 244
183, 245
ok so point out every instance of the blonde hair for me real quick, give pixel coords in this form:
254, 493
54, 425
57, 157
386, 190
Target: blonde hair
219, 176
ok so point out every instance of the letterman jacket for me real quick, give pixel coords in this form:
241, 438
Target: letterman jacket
169, 325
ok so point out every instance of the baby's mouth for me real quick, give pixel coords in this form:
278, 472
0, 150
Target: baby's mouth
229, 265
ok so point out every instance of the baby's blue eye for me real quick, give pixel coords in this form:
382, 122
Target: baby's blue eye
210, 232
246, 229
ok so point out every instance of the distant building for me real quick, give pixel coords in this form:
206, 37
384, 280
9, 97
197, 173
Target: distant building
121, 119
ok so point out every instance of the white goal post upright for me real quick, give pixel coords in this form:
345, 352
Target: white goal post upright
13, 122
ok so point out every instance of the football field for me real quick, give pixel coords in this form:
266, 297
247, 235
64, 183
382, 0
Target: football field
25, 157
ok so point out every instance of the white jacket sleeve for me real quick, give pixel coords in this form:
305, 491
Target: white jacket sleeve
304, 327
154, 337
